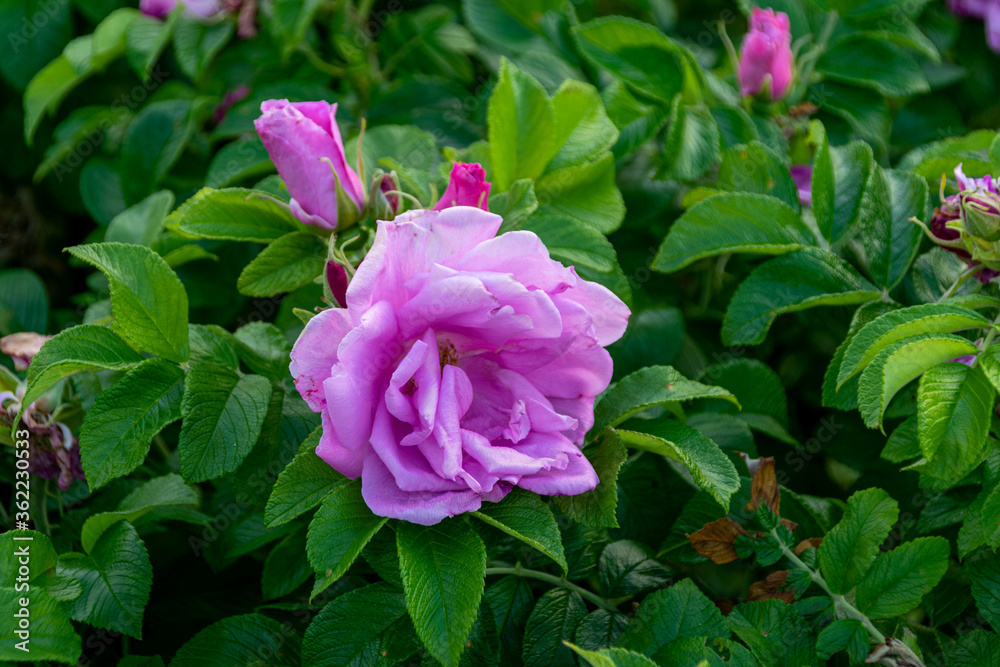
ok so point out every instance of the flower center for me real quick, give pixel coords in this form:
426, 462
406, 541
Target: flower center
447, 353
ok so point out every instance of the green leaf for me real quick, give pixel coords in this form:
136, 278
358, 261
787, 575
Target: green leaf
755, 168
897, 325
585, 193
889, 237
583, 131
866, 111
286, 567
24, 304
82, 57
654, 385
366, 626
978, 648
238, 161
627, 568
233, 214
984, 573
153, 144
223, 415
443, 568
709, 466
692, 143
527, 517
872, 64
515, 205
805, 279
302, 485
165, 491
116, 579
626, 47
731, 223
52, 635
262, 347
900, 578
954, 403
763, 404
42, 555
521, 122
597, 508
290, 262
612, 657
775, 633
250, 640
844, 634
196, 43
148, 301
146, 39
637, 122
600, 628
141, 223
81, 128
80, 348
26, 49
118, 428
339, 531
556, 615
900, 363
848, 550
679, 611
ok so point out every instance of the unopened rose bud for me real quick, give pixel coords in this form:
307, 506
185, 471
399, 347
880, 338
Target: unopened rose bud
336, 280
384, 195
467, 186
766, 54
981, 214
304, 143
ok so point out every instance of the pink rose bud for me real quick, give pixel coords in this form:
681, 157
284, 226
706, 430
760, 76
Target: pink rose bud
160, 8
802, 175
304, 142
766, 54
336, 280
21, 347
384, 195
466, 187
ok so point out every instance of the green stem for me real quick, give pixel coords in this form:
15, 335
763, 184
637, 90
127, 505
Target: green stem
839, 600
519, 571
962, 277
809, 60
989, 337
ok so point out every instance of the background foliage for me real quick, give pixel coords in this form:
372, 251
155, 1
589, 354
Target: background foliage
864, 502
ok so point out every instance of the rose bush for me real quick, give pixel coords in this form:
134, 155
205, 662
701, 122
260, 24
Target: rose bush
495, 334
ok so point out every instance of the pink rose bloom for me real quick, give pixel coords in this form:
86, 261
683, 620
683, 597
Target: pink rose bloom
465, 363
298, 137
766, 54
160, 8
22, 347
466, 187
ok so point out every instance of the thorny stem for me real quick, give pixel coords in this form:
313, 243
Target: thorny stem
840, 601
519, 571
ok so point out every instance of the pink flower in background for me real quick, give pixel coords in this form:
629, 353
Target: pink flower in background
304, 142
766, 54
160, 8
467, 186
987, 11
464, 364
802, 175
22, 347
